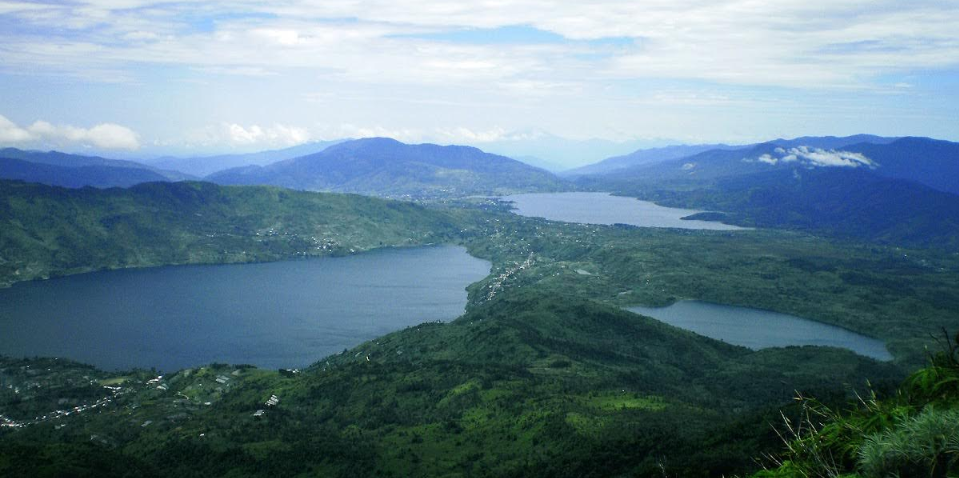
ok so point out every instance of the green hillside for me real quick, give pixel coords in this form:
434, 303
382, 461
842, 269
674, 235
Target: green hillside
386, 167
849, 204
47, 231
524, 385
914, 432
544, 375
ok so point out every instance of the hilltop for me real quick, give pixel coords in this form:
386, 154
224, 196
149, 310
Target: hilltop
386, 167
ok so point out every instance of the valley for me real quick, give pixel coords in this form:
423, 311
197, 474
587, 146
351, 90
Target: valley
417, 239
544, 373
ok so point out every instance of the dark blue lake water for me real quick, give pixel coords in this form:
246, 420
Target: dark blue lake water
759, 329
602, 208
280, 314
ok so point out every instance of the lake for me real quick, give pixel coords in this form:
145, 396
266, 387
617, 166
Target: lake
274, 315
759, 329
603, 208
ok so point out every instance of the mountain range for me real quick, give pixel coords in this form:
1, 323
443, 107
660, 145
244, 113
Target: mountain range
642, 157
646, 157
386, 167
200, 166
892, 190
70, 170
899, 191
933, 163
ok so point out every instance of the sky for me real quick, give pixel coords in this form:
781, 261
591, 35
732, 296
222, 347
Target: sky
148, 78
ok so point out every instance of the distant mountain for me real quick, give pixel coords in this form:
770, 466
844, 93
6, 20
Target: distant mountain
704, 166
647, 157
833, 142
76, 177
386, 167
56, 158
205, 165
541, 163
902, 191
853, 203
72, 170
927, 161
565, 153
642, 157
49, 231
931, 162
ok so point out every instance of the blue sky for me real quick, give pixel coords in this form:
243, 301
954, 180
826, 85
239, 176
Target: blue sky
141, 77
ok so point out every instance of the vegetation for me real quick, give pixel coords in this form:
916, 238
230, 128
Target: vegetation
76, 177
75, 171
912, 433
851, 205
544, 374
898, 295
386, 167
481, 396
897, 192
47, 231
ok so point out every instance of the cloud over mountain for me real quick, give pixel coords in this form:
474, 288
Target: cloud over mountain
815, 157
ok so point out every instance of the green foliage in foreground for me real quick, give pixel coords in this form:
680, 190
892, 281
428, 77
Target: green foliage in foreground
47, 231
523, 385
915, 433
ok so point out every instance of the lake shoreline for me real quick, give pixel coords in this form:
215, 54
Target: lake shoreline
604, 208
278, 314
689, 314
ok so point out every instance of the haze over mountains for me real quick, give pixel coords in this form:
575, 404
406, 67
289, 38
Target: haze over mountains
71, 170
204, 165
642, 157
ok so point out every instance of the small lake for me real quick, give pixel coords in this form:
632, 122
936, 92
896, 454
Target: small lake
603, 208
274, 315
759, 329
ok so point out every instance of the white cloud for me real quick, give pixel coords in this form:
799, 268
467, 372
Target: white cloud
104, 136
347, 130
140, 35
12, 7
10, 133
816, 157
820, 157
807, 43
275, 135
767, 159
463, 134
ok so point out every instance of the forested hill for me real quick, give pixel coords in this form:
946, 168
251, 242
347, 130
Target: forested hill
850, 204
76, 177
543, 375
636, 163
46, 231
386, 167
74, 171
524, 385
901, 192
926, 161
